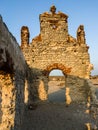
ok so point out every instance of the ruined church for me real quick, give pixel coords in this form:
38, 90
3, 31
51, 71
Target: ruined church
24, 69
55, 48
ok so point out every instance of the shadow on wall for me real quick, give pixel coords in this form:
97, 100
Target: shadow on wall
11, 99
37, 85
19, 101
12, 63
77, 88
39, 90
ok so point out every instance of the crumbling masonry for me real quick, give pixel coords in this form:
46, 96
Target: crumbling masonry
55, 48
24, 70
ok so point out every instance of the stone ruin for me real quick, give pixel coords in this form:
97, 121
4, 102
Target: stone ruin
24, 70
12, 80
55, 48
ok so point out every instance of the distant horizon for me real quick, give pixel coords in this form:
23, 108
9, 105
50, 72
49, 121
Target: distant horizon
57, 72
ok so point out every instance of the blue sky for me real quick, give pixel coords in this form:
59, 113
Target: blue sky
17, 13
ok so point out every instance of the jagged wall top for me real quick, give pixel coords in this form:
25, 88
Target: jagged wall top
53, 13
53, 26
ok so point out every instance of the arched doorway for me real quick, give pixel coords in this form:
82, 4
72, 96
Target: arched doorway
65, 71
56, 86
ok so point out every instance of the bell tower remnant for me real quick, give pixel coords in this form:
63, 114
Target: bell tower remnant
25, 36
54, 25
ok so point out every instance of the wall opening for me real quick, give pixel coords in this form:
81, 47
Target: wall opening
56, 86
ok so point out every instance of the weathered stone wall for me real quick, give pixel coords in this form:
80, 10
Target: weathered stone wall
93, 93
7, 101
55, 48
52, 26
12, 81
79, 90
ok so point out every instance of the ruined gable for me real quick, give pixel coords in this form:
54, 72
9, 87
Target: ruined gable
53, 26
55, 48
55, 45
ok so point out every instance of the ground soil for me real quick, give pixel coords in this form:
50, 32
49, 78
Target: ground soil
57, 116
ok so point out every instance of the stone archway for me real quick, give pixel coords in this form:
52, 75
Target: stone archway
56, 86
65, 71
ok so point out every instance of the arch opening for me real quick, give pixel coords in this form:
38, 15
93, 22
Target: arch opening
56, 86
6, 62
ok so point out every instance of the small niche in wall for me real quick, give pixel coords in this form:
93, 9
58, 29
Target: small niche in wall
74, 44
83, 62
54, 26
75, 50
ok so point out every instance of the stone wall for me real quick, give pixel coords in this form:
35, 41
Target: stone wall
55, 48
79, 89
7, 101
12, 80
